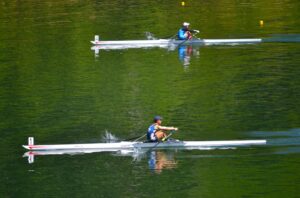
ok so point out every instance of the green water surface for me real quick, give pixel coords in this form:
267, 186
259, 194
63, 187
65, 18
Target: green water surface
53, 87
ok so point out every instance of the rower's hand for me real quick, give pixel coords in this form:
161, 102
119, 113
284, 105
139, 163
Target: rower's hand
175, 129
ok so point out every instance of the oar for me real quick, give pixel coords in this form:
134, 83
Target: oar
135, 138
170, 37
165, 138
140, 137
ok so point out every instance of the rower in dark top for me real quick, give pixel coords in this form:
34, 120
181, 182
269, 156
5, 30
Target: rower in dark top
184, 33
156, 131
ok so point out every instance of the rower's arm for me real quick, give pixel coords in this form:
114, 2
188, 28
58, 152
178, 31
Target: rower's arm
194, 31
167, 128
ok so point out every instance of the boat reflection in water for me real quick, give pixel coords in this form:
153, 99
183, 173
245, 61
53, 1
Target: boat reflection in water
185, 52
157, 159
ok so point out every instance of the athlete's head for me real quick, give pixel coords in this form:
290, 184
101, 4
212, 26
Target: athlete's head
186, 25
157, 119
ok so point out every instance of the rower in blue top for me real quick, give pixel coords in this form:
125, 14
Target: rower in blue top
156, 131
184, 33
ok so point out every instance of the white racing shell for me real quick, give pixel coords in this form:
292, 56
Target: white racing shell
134, 145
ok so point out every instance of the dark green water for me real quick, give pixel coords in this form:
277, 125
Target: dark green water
53, 87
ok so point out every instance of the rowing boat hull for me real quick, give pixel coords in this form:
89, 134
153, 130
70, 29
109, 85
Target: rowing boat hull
176, 42
166, 43
137, 145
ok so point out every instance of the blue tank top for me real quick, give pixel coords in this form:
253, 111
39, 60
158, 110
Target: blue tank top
151, 130
181, 33
152, 161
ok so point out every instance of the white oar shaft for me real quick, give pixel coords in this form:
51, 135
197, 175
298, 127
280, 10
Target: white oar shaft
139, 138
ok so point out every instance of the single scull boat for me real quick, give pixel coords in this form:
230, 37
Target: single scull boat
140, 145
99, 44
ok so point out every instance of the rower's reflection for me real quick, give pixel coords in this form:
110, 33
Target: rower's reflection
185, 52
159, 160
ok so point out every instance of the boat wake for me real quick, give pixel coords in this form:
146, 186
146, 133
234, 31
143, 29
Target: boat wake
280, 138
281, 142
283, 38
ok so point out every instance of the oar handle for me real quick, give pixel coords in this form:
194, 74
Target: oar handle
165, 138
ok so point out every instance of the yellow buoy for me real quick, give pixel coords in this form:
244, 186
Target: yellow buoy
261, 23
183, 3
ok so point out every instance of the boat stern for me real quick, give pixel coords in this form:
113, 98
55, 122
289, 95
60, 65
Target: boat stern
30, 143
96, 40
